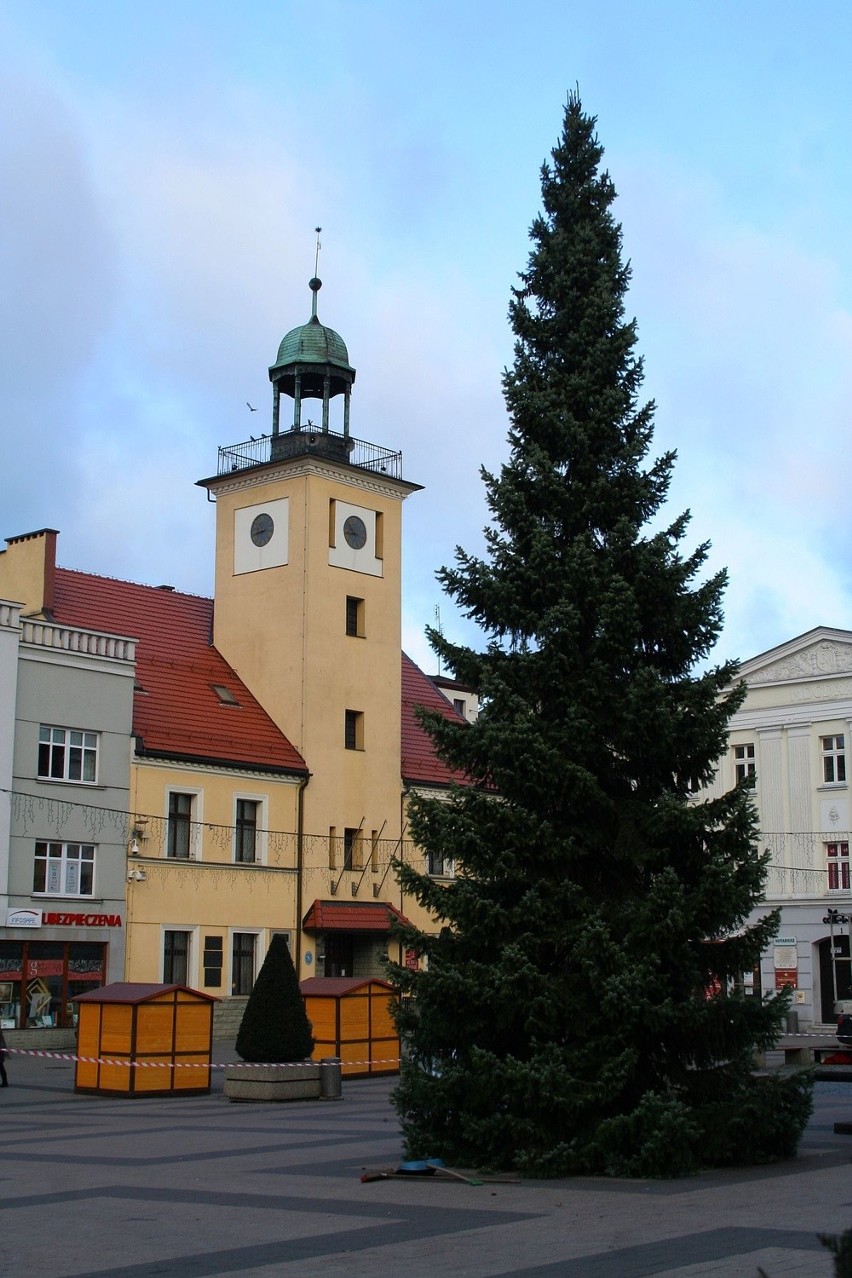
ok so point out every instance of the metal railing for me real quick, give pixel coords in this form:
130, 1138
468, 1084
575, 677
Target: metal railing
310, 442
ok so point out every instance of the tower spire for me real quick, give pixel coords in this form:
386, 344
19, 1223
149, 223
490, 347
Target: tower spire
316, 283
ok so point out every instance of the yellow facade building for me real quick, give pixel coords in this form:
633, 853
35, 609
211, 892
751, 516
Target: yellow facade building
274, 727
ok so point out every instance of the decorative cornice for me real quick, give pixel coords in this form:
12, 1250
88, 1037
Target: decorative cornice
365, 480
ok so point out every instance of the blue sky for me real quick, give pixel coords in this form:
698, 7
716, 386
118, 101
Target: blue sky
162, 168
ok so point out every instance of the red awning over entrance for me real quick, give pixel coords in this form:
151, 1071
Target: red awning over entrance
351, 916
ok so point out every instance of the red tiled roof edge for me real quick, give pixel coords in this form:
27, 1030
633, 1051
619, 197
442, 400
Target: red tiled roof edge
420, 763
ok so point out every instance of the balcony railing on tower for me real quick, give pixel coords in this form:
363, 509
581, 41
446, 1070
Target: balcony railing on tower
310, 442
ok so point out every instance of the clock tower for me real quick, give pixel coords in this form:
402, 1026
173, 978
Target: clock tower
308, 604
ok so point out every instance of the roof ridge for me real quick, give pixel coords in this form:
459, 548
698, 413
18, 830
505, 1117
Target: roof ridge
139, 585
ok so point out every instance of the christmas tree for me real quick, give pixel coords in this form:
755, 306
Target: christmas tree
579, 1009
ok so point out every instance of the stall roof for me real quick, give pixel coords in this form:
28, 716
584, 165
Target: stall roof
135, 992
334, 986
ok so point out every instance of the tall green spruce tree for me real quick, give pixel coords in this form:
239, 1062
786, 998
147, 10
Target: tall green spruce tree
579, 1010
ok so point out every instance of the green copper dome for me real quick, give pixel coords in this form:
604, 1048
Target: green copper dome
312, 355
312, 343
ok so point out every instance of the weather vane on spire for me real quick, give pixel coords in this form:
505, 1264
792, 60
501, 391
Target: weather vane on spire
316, 283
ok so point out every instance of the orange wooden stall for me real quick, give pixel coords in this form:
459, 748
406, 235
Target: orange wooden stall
351, 1018
144, 1040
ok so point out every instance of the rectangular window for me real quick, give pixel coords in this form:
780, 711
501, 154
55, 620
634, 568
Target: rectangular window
64, 869
355, 616
332, 847
242, 962
212, 961
66, 754
175, 958
459, 706
353, 731
744, 761
245, 846
352, 849
440, 866
833, 759
837, 861
180, 825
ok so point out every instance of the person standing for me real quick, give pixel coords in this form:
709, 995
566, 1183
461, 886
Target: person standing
4, 1082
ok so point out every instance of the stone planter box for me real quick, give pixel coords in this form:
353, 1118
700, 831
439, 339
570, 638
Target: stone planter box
273, 1082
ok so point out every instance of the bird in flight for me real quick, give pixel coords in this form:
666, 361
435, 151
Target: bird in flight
249, 407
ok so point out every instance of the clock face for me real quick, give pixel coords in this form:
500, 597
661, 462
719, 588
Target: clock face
355, 532
262, 528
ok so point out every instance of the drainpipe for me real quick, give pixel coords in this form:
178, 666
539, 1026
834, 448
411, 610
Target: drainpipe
300, 867
401, 857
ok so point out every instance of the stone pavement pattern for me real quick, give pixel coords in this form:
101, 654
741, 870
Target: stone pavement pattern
197, 1187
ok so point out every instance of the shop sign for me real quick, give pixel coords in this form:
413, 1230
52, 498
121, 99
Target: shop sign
23, 918
785, 976
411, 961
81, 920
40, 918
43, 967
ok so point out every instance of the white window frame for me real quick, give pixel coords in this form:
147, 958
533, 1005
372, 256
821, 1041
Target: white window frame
195, 821
838, 861
191, 953
744, 760
833, 755
448, 867
63, 738
261, 828
66, 865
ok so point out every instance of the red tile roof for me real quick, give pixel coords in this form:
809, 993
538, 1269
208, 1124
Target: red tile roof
176, 711
351, 916
420, 764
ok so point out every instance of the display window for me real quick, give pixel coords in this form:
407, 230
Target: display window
38, 980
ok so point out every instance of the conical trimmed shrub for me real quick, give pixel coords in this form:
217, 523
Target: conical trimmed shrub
275, 1025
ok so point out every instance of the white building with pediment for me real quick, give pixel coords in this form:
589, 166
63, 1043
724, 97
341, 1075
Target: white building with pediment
794, 732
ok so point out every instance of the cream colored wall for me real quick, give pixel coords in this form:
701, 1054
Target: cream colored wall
797, 811
211, 894
23, 567
283, 630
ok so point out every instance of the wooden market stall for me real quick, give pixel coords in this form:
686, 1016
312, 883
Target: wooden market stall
139, 1040
351, 1018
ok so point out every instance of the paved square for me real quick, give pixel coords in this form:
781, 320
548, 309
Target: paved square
197, 1186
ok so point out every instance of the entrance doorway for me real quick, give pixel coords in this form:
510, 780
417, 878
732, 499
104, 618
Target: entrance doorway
841, 978
339, 954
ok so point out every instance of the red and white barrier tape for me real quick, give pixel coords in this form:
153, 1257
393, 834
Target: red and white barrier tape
136, 1064
108, 1060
